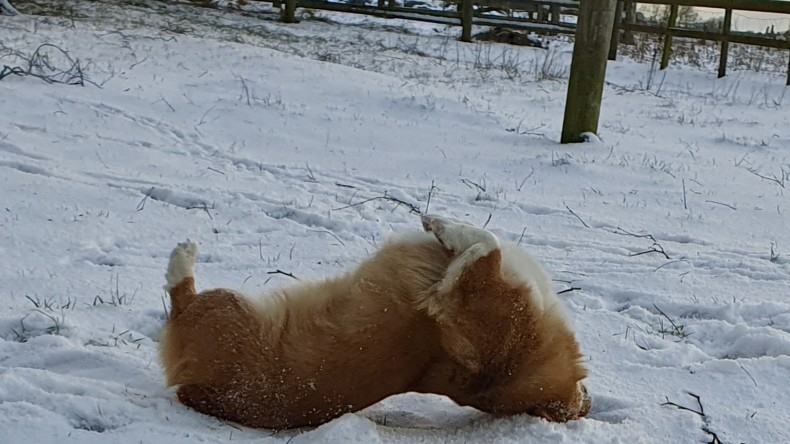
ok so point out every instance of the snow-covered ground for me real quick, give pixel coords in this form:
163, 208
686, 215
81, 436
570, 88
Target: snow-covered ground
282, 147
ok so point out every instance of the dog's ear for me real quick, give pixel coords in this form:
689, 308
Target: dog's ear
460, 348
441, 307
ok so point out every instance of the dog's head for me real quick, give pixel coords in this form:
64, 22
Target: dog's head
542, 378
509, 357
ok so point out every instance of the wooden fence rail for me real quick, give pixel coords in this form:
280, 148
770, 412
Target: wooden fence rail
542, 16
724, 37
545, 16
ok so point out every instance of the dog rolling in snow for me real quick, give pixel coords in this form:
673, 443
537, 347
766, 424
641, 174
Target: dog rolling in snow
451, 311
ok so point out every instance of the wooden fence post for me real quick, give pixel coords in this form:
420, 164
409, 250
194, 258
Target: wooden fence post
788, 69
725, 42
630, 19
673, 18
618, 18
289, 13
555, 14
466, 20
588, 69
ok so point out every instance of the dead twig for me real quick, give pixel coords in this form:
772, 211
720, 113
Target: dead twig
701, 412
520, 186
714, 437
284, 273
310, 174
623, 232
772, 178
141, 205
685, 205
748, 374
670, 263
487, 221
331, 234
430, 193
522, 236
732, 207
655, 248
412, 208
577, 217
202, 206
473, 185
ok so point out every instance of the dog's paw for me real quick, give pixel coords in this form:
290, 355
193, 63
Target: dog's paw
458, 236
182, 263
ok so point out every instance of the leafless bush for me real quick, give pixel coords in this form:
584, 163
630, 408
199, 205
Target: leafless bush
549, 65
48, 62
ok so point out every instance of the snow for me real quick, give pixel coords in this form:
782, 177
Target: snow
261, 141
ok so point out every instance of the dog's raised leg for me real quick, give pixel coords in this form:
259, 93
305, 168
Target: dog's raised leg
462, 296
181, 277
470, 244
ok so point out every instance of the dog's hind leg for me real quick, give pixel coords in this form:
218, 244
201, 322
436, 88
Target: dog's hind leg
469, 243
181, 276
462, 299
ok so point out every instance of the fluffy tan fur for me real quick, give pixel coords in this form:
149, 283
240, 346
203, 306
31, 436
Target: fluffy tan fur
312, 352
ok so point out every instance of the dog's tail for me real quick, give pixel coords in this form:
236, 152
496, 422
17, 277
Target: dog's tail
181, 277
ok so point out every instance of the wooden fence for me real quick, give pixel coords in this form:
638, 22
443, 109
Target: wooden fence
725, 35
546, 16
543, 16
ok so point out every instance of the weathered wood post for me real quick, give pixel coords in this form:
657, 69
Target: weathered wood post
289, 13
673, 19
466, 20
588, 69
555, 14
788, 70
618, 19
725, 42
542, 14
630, 19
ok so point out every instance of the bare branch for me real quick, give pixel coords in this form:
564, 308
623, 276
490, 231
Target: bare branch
278, 271
412, 208
655, 248
577, 217
732, 207
487, 221
623, 232
141, 205
331, 234
430, 193
522, 236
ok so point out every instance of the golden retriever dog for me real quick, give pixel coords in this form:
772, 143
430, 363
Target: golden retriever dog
452, 311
